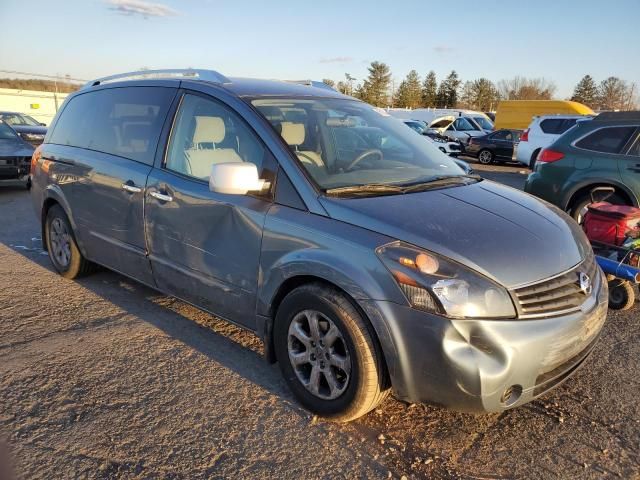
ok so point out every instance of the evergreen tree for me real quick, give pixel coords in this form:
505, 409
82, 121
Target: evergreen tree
441, 95
586, 91
375, 89
328, 81
452, 85
409, 92
429, 90
485, 95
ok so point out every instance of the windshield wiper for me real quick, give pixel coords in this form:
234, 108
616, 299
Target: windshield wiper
441, 181
366, 189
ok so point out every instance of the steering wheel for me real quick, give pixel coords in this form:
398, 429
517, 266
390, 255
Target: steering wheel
362, 156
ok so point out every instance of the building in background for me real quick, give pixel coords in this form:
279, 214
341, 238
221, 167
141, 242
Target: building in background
40, 105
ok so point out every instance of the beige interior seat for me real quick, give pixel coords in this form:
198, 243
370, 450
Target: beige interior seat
202, 156
294, 135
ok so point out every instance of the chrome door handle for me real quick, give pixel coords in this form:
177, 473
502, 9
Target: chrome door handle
162, 197
131, 188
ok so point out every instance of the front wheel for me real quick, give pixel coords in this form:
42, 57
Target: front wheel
62, 247
328, 355
621, 295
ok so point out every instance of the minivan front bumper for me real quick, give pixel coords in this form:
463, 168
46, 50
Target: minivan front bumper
485, 365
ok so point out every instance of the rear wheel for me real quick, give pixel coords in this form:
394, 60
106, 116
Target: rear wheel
62, 247
580, 206
327, 354
534, 158
485, 157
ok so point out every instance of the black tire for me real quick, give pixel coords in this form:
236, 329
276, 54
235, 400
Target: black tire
622, 296
578, 207
28, 184
534, 159
77, 265
486, 157
367, 384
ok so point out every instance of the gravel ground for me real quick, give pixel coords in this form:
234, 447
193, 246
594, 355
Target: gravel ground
104, 378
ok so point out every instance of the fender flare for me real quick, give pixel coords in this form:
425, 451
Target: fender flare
321, 265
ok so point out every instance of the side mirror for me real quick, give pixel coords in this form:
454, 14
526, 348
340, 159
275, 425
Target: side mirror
235, 178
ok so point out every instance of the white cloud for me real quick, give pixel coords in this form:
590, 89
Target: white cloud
336, 60
443, 49
142, 8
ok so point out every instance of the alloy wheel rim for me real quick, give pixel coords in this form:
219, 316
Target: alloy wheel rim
318, 354
60, 242
485, 157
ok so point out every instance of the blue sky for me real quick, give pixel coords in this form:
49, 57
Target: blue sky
560, 40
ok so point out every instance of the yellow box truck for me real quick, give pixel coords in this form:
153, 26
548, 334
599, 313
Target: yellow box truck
518, 114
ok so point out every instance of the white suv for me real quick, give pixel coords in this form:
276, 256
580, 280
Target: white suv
542, 132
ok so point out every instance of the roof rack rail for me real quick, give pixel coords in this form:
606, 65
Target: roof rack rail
205, 75
312, 83
632, 115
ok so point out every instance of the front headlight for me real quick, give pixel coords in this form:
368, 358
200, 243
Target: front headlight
439, 285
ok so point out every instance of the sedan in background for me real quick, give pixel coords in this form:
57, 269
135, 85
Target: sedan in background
15, 156
497, 146
27, 127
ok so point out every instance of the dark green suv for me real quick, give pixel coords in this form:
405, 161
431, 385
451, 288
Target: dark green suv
595, 159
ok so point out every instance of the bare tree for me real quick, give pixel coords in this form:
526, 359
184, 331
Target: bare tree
522, 88
616, 94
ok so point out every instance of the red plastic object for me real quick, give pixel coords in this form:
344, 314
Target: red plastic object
609, 223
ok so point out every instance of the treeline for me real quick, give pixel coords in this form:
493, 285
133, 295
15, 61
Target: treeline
39, 85
611, 93
480, 94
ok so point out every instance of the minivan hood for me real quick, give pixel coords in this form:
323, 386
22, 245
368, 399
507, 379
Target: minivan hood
496, 230
15, 148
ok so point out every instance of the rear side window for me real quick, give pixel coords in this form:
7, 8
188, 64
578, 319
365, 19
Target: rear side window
634, 151
557, 126
607, 140
120, 121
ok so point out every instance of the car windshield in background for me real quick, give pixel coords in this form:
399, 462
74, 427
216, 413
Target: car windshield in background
484, 123
15, 119
345, 143
6, 132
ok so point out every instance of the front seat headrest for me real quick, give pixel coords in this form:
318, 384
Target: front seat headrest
208, 130
293, 133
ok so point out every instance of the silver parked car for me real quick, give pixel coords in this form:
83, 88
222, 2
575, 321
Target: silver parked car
366, 260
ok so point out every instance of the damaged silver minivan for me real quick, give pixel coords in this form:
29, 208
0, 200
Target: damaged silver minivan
363, 257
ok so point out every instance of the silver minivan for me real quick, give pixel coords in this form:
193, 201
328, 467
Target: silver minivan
363, 257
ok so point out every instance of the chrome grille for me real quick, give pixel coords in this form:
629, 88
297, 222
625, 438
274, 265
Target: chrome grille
556, 295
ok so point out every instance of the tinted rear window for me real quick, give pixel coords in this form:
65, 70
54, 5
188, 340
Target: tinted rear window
557, 126
607, 140
119, 121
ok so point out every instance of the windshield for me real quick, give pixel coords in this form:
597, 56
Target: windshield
484, 122
17, 119
343, 143
6, 132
